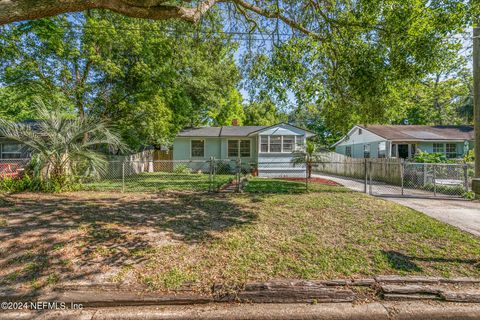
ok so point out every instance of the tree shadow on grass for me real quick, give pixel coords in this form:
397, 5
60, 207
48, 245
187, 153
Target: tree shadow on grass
403, 262
47, 239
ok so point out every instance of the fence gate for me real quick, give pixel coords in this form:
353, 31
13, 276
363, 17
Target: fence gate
417, 179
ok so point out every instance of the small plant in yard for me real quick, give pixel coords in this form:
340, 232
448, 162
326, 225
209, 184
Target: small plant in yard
61, 148
470, 156
307, 157
182, 169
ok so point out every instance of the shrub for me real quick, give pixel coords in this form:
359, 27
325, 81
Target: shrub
224, 168
26, 183
425, 157
470, 156
182, 169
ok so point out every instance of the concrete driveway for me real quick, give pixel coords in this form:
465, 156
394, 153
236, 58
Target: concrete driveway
459, 213
462, 214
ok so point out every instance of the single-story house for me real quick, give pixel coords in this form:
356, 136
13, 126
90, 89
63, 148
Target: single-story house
267, 150
402, 141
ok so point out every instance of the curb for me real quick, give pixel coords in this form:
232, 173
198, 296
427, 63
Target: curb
330, 311
381, 288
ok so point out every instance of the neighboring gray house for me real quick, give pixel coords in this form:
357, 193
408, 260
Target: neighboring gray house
402, 141
267, 148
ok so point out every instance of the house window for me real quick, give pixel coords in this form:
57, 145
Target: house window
382, 149
451, 149
360, 131
366, 151
275, 143
300, 143
198, 148
348, 151
438, 148
11, 151
394, 150
238, 148
285, 144
245, 148
263, 143
413, 149
288, 142
233, 148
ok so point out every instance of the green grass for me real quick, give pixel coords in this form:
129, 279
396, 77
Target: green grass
165, 241
159, 181
264, 185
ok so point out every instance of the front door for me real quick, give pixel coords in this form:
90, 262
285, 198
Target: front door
403, 151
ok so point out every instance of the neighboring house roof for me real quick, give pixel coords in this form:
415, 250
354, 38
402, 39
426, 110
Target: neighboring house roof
227, 131
416, 132
421, 132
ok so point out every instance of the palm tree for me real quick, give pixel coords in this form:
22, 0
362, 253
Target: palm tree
307, 157
63, 147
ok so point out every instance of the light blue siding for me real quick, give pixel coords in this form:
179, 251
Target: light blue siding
428, 147
269, 164
357, 149
214, 147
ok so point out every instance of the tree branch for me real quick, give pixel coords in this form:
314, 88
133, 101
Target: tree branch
276, 15
18, 10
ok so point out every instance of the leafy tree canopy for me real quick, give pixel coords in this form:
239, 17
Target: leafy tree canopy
146, 77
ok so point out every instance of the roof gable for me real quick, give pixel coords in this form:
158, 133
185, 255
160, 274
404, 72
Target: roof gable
225, 131
284, 129
237, 131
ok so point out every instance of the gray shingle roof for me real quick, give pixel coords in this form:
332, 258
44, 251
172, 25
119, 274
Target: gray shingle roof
225, 131
422, 132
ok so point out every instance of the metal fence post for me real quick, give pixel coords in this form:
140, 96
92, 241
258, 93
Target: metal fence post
365, 169
370, 170
123, 176
210, 173
239, 172
465, 176
402, 172
434, 181
307, 171
214, 172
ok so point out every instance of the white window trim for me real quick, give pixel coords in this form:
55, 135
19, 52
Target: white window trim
295, 137
240, 139
204, 149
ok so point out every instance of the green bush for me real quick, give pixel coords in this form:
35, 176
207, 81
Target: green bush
450, 190
425, 157
470, 156
26, 183
182, 169
224, 168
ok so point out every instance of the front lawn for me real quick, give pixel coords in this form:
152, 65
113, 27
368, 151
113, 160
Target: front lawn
159, 181
160, 241
278, 185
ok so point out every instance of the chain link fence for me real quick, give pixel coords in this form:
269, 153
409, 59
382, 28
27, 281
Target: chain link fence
147, 175
12, 168
395, 177
168, 175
